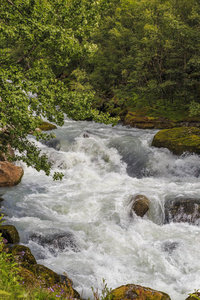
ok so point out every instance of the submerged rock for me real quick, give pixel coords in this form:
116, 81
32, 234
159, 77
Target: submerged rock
140, 205
10, 174
10, 233
52, 143
179, 140
56, 243
137, 292
45, 126
182, 210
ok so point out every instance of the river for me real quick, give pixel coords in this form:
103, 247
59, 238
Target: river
82, 225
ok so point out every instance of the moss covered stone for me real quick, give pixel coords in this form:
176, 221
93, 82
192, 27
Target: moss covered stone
10, 233
139, 119
44, 274
28, 278
49, 278
23, 255
137, 292
179, 140
45, 126
140, 205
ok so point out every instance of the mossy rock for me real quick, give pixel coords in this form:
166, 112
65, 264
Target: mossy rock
44, 274
23, 256
45, 126
140, 205
141, 120
178, 140
137, 292
49, 278
28, 278
10, 233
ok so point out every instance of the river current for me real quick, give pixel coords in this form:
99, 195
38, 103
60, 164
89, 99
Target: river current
82, 225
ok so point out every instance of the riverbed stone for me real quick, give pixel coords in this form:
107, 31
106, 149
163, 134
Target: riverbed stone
56, 242
137, 292
178, 140
46, 126
10, 233
140, 205
10, 174
181, 209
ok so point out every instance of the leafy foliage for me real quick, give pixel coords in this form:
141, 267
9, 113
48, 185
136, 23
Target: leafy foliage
42, 42
148, 54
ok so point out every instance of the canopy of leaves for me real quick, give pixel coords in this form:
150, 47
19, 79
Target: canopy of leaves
41, 43
148, 54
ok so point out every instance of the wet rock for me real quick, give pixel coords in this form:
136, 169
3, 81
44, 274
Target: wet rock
52, 143
193, 296
10, 233
23, 256
10, 174
56, 243
45, 126
1, 200
182, 210
137, 292
140, 205
170, 246
179, 140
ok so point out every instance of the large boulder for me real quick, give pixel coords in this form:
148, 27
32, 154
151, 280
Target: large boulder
181, 209
10, 233
140, 205
10, 174
137, 292
179, 140
45, 126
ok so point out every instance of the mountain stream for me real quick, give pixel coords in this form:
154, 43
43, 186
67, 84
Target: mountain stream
82, 225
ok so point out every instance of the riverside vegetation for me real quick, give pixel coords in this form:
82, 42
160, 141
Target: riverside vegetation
137, 61
129, 60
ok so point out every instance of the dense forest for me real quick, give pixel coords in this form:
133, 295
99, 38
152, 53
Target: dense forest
93, 58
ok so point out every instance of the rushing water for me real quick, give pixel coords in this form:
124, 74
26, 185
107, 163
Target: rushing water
82, 225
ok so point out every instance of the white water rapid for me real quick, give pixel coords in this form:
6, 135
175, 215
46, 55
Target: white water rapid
82, 225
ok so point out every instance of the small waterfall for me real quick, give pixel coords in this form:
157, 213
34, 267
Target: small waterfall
82, 225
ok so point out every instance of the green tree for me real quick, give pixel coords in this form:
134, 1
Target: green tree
148, 54
42, 41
